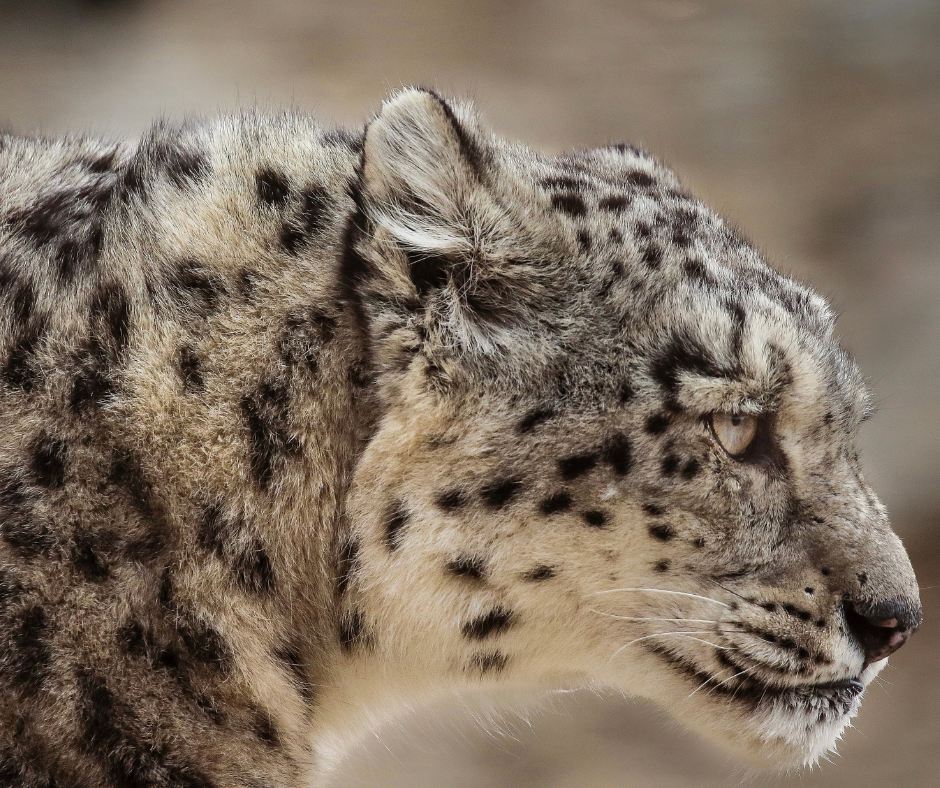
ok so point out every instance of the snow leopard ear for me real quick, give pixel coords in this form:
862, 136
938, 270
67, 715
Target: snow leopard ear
421, 168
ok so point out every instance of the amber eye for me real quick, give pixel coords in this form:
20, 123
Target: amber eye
734, 431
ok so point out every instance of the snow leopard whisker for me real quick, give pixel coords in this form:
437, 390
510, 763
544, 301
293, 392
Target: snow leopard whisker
648, 618
690, 635
728, 590
739, 673
710, 679
662, 591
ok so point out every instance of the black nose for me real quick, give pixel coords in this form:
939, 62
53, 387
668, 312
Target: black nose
881, 627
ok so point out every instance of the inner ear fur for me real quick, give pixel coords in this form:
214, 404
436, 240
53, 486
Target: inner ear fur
421, 169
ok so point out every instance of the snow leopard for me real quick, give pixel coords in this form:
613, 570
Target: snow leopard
302, 426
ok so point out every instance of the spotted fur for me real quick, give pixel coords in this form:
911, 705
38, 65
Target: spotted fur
301, 425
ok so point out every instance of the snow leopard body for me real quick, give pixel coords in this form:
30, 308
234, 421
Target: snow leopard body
301, 426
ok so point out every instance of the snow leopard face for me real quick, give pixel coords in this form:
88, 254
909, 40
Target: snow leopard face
615, 446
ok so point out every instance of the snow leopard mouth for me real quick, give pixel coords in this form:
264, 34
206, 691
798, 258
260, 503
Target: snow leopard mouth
826, 700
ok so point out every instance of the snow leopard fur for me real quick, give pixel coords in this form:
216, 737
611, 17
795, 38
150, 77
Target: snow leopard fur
303, 425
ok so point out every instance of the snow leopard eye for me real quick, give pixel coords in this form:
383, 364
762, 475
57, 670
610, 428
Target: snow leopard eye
734, 431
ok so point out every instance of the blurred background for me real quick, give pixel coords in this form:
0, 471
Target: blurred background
813, 125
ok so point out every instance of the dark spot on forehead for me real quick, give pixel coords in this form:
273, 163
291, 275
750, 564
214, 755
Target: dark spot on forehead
498, 493
663, 565
657, 423
577, 465
539, 573
698, 542
271, 186
495, 622
684, 353
468, 566
661, 531
395, 520
615, 235
738, 317
451, 499
558, 502
690, 469
652, 509
571, 204
595, 518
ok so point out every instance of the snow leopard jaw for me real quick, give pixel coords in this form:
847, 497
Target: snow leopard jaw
829, 699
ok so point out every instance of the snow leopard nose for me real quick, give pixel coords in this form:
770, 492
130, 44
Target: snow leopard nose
881, 627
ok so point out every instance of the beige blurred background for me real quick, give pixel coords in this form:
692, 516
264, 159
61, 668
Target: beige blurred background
813, 125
